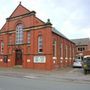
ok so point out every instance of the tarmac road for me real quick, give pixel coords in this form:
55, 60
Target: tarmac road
70, 79
11, 83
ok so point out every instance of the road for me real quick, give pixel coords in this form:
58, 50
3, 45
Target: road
56, 80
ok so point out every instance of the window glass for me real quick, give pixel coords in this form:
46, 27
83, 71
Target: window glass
66, 51
19, 34
54, 48
61, 49
70, 52
40, 44
2, 47
28, 37
10, 39
28, 50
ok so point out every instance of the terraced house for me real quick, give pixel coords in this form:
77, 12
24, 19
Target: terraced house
27, 41
82, 47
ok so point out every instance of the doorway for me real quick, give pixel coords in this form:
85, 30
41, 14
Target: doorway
18, 57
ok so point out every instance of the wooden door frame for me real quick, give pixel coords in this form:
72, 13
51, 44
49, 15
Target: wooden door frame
18, 59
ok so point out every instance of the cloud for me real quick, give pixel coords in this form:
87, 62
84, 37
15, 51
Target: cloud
71, 31
70, 17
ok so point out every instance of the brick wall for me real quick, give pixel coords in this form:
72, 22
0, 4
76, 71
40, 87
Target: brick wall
35, 26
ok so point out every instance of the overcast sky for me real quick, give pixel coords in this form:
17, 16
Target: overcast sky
70, 17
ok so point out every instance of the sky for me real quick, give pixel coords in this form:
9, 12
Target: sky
70, 17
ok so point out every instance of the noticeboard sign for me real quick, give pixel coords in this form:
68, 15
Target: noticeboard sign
39, 59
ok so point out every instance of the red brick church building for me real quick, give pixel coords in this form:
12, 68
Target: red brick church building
28, 41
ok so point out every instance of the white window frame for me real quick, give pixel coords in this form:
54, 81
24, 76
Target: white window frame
54, 49
66, 52
73, 53
10, 39
2, 47
19, 34
70, 53
28, 36
61, 50
40, 44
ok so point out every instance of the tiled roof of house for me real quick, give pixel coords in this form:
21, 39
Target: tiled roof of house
81, 41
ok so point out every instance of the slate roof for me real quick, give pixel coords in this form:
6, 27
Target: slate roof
81, 41
57, 32
54, 30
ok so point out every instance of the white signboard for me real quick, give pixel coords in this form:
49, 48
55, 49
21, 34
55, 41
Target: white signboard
39, 59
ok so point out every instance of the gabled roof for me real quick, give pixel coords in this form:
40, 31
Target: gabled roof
81, 41
57, 32
20, 10
54, 30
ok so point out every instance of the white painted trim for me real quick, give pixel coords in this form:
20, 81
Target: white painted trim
54, 57
66, 58
28, 60
61, 61
39, 59
9, 60
1, 60
54, 61
61, 58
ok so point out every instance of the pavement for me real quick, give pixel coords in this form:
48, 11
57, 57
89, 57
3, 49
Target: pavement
62, 74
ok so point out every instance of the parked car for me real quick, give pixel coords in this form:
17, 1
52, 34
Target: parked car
77, 63
86, 64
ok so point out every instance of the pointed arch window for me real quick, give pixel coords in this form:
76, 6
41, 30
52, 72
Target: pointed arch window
19, 34
40, 44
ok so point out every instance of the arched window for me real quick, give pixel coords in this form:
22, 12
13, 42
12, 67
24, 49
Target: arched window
19, 34
61, 50
28, 36
54, 48
40, 44
70, 52
2, 47
66, 52
10, 39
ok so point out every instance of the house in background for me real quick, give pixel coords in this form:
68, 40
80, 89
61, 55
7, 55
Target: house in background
27, 41
82, 47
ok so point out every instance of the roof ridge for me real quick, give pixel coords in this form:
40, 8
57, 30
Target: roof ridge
80, 38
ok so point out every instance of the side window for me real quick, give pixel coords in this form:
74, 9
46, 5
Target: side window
28, 36
2, 47
10, 39
54, 48
66, 51
40, 44
70, 52
61, 50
